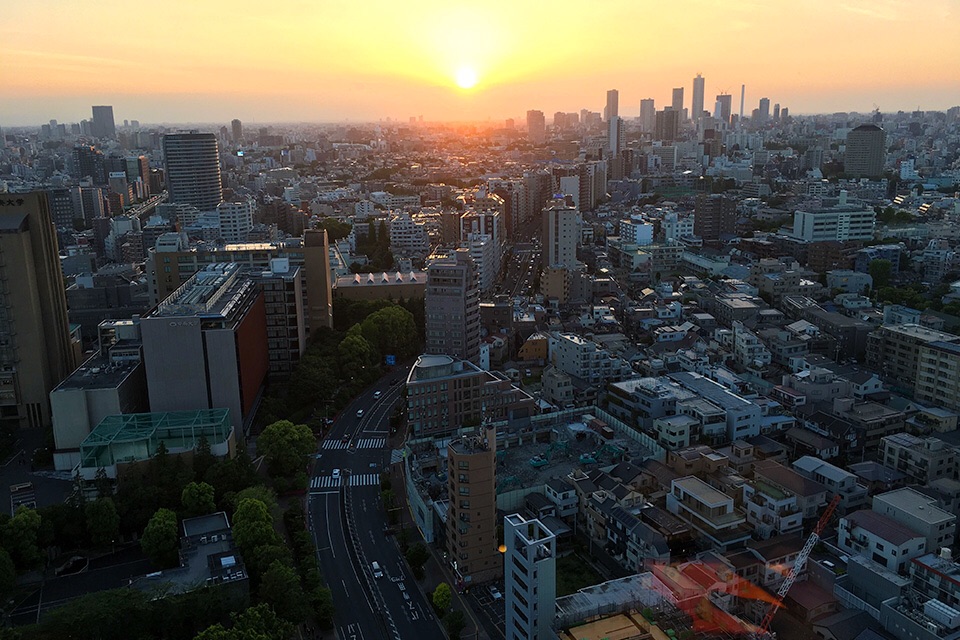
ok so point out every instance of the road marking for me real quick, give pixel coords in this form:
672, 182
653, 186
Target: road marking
324, 482
326, 515
364, 480
323, 493
371, 443
335, 444
396, 456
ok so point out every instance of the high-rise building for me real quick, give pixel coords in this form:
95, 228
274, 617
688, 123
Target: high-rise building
677, 102
88, 162
866, 150
205, 346
724, 107
612, 110
668, 125
716, 215
530, 579
237, 130
472, 512
764, 109
560, 234
696, 106
452, 305
236, 220
536, 127
36, 350
615, 136
102, 125
648, 115
192, 163
319, 283
776, 112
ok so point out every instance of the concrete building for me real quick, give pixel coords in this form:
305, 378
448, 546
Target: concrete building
920, 513
648, 115
205, 346
192, 167
841, 222
536, 127
849, 281
102, 124
452, 304
710, 511
282, 289
879, 538
894, 350
560, 234
938, 374
444, 394
743, 418
771, 510
472, 511
530, 579
866, 151
838, 482
318, 279
381, 286
36, 348
236, 220
696, 105
586, 360
922, 459
716, 216
408, 236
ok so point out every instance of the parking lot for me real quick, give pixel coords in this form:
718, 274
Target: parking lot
490, 611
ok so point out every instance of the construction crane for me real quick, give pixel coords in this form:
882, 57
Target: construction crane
763, 631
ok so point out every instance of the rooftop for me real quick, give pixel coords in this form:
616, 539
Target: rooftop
215, 290
915, 504
98, 372
883, 527
702, 491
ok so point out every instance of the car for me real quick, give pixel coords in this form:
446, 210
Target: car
377, 394
336, 474
377, 571
359, 413
345, 438
495, 593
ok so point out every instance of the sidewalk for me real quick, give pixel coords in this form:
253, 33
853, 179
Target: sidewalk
436, 570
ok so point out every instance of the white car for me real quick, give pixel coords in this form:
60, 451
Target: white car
495, 593
377, 394
336, 474
359, 413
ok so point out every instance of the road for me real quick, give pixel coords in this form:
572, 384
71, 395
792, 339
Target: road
348, 526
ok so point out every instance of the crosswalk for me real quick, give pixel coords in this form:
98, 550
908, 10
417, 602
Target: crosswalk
357, 480
396, 456
362, 443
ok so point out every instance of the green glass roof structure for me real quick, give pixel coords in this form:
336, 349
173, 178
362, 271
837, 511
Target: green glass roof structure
134, 437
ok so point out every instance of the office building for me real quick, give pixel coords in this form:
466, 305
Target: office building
536, 127
866, 151
763, 110
716, 216
615, 136
102, 125
648, 115
667, 127
236, 128
318, 280
677, 102
205, 346
88, 163
841, 222
723, 108
612, 110
452, 307
444, 393
472, 509
560, 233
36, 348
192, 165
696, 106
530, 579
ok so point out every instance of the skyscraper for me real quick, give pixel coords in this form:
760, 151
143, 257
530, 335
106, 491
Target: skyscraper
716, 215
536, 127
316, 266
560, 232
764, 109
88, 162
696, 107
648, 115
237, 128
776, 111
192, 163
668, 125
452, 306
36, 352
866, 150
102, 125
612, 109
724, 107
615, 136
677, 103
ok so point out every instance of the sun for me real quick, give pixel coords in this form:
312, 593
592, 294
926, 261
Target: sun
466, 78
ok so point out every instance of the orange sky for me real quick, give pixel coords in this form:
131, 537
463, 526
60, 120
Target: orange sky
330, 60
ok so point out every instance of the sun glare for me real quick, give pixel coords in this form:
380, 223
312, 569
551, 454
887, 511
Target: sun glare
466, 78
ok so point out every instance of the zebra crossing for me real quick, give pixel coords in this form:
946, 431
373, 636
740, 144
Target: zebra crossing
358, 480
362, 443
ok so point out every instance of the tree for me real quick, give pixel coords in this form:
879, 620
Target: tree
286, 447
253, 526
264, 494
20, 538
256, 623
197, 499
323, 607
159, 539
454, 623
103, 521
442, 597
880, 271
280, 588
417, 556
391, 330
203, 458
8, 572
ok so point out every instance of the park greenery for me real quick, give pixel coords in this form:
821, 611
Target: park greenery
375, 245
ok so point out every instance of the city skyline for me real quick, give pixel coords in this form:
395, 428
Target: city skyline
417, 60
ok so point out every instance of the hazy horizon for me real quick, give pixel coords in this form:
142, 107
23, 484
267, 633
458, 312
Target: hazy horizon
215, 61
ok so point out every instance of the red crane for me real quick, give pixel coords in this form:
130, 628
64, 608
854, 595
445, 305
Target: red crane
763, 631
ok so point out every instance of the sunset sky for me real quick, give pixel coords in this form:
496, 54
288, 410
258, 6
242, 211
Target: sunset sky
332, 60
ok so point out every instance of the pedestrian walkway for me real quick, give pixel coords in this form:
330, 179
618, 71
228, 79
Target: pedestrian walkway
364, 480
358, 480
362, 443
396, 456
324, 482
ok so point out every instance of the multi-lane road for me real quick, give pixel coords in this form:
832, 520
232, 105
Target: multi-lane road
349, 524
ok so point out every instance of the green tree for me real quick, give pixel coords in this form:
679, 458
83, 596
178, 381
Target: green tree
20, 538
203, 458
159, 539
255, 623
115, 614
454, 623
253, 526
264, 494
391, 330
197, 499
880, 271
103, 521
231, 475
417, 556
280, 588
286, 447
355, 355
8, 572
336, 230
323, 607
442, 597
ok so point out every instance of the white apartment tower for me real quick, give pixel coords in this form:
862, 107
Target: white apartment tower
530, 579
560, 232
